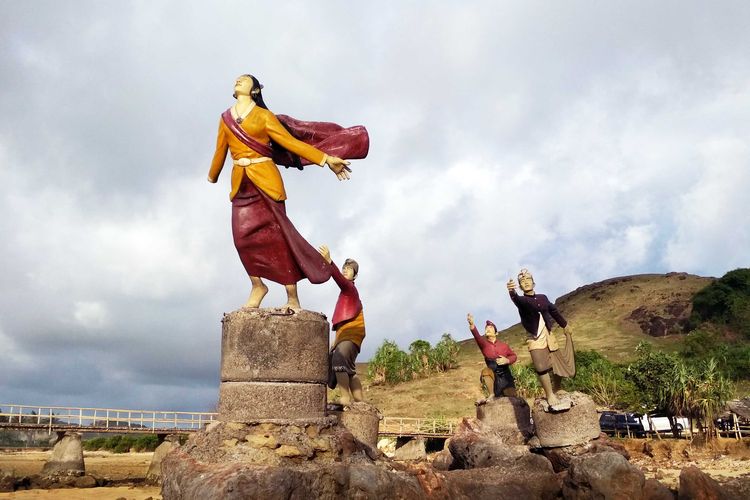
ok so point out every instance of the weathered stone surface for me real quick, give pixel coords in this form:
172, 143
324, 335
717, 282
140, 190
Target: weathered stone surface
153, 475
603, 475
473, 445
7, 481
561, 457
254, 401
654, 490
67, 457
738, 487
270, 345
363, 421
442, 460
413, 449
186, 479
512, 480
696, 485
575, 426
509, 414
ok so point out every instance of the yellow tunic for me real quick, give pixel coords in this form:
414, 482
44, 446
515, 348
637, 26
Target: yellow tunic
263, 126
353, 330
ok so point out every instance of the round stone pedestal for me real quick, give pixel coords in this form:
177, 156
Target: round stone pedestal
507, 413
578, 425
67, 457
274, 366
363, 421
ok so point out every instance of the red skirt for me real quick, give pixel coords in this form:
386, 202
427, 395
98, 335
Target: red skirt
268, 244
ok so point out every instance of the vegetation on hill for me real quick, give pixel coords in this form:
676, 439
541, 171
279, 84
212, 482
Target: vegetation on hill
122, 443
391, 365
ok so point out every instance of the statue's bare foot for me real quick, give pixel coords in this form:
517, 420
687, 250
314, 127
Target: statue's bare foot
292, 304
256, 296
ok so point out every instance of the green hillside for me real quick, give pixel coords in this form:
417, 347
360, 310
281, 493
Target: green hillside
611, 317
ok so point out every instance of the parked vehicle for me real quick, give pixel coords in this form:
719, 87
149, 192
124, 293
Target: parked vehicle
621, 424
661, 424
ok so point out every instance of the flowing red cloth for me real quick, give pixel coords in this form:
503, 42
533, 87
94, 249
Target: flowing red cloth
268, 243
351, 143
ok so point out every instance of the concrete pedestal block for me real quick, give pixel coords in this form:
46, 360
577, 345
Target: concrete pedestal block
67, 457
257, 401
270, 345
363, 421
506, 413
578, 425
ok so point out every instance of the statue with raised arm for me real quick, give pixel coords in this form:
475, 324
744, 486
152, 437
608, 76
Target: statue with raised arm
498, 356
550, 362
268, 244
349, 324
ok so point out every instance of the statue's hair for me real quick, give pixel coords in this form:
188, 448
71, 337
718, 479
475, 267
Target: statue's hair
353, 264
525, 272
256, 93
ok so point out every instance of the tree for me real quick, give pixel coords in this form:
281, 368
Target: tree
726, 302
389, 365
601, 379
445, 353
419, 356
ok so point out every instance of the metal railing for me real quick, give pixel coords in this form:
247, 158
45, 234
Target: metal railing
407, 426
101, 419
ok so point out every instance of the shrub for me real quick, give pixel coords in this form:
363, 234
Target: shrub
526, 380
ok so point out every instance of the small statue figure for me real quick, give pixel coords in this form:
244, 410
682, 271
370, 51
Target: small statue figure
268, 244
498, 356
537, 313
349, 324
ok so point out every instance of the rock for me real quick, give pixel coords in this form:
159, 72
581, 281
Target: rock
387, 446
513, 480
270, 345
561, 457
7, 481
411, 450
186, 479
578, 425
474, 445
508, 415
262, 441
363, 420
153, 475
442, 460
86, 481
696, 485
67, 457
738, 487
603, 475
654, 490
288, 451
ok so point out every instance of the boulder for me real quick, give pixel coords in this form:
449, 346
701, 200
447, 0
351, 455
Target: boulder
474, 445
513, 480
578, 425
561, 457
603, 475
697, 485
507, 415
413, 449
442, 460
153, 475
67, 457
7, 481
363, 421
654, 490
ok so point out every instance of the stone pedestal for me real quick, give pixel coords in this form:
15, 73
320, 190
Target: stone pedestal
363, 421
67, 457
153, 476
508, 415
274, 366
578, 425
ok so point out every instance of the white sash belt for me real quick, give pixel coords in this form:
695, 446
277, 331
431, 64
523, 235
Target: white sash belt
244, 162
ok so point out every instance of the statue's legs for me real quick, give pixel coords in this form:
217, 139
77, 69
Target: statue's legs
544, 378
356, 386
342, 381
257, 293
292, 298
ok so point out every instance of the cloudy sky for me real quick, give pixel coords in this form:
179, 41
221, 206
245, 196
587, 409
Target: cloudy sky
581, 139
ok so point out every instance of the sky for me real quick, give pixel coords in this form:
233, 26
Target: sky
581, 139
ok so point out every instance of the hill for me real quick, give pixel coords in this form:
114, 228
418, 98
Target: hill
610, 316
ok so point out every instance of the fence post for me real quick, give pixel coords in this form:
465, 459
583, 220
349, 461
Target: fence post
49, 431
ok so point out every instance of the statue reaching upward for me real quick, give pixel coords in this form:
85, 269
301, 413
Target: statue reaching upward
537, 314
268, 244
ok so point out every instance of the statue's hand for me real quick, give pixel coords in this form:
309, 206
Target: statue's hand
511, 285
502, 360
470, 319
339, 167
568, 329
323, 251
212, 181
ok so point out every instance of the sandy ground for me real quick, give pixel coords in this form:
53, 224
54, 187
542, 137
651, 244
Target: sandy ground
114, 466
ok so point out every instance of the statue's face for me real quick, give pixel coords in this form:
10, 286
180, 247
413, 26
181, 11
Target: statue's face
490, 333
348, 272
243, 85
526, 282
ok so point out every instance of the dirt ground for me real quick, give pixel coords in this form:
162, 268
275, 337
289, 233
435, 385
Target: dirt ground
113, 466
